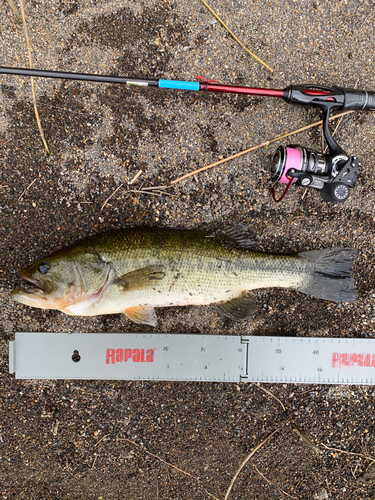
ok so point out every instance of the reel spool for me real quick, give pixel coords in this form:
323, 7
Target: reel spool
332, 175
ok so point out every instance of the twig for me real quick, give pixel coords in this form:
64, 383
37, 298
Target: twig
219, 162
135, 177
24, 191
32, 79
114, 192
367, 457
16, 13
263, 144
272, 484
270, 394
246, 460
165, 462
234, 36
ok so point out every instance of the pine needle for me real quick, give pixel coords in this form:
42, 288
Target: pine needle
234, 36
32, 79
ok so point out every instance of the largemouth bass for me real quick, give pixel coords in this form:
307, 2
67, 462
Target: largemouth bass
135, 270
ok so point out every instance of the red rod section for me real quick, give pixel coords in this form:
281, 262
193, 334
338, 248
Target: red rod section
242, 90
317, 92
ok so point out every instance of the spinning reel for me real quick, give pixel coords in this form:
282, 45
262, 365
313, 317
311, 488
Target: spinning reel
333, 174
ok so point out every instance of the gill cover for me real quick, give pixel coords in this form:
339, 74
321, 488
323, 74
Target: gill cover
65, 280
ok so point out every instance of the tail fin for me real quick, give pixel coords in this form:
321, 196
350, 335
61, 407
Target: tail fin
329, 275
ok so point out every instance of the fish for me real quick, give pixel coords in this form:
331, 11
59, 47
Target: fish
137, 269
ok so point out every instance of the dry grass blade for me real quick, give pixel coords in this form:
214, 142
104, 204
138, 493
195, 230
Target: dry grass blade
270, 394
274, 485
135, 177
312, 125
24, 191
151, 193
367, 457
246, 460
165, 462
32, 79
219, 162
234, 36
101, 439
159, 458
112, 195
156, 188
258, 146
306, 439
15, 11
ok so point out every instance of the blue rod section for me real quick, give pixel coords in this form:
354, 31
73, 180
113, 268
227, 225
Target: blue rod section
177, 84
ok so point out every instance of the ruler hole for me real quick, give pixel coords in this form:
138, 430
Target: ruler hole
76, 357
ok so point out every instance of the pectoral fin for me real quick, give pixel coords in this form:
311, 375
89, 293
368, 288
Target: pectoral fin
239, 308
141, 278
144, 315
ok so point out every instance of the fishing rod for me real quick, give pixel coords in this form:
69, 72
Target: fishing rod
332, 173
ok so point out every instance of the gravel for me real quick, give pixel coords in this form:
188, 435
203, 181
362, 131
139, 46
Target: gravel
100, 439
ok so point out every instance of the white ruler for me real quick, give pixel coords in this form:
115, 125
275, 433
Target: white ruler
186, 357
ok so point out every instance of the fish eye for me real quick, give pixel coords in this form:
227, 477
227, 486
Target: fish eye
43, 267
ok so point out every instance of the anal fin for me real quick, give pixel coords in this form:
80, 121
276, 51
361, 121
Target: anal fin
238, 309
144, 315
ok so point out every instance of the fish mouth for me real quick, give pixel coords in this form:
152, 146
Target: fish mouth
36, 284
33, 295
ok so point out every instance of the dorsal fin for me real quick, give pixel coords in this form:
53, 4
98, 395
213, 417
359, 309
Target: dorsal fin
239, 236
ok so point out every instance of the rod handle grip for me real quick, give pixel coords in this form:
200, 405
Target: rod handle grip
358, 99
